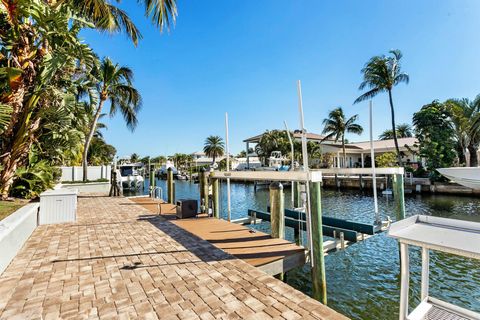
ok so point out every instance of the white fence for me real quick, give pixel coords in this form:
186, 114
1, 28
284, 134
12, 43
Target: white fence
93, 173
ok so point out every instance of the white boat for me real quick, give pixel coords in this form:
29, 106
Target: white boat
164, 168
275, 163
130, 176
466, 176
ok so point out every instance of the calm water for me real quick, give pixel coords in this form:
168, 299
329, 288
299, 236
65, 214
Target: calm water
363, 280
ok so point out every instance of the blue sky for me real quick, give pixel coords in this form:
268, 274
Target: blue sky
244, 58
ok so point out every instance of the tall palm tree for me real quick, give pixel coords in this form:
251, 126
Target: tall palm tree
381, 74
114, 85
336, 126
213, 147
465, 117
404, 130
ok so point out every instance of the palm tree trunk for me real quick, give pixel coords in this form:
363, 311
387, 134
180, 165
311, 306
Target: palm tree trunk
472, 149
462, 159
344, 153
89, 139
392, 110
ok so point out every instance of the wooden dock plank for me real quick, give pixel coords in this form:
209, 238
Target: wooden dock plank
256, 248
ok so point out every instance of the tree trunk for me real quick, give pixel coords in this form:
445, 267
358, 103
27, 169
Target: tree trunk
344, 153
394, 131
89, 139
462, 159
472, 149
17, 152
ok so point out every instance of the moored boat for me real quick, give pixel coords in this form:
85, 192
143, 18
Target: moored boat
466, 176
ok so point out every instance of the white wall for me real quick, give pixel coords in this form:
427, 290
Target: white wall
14, 231
93, 173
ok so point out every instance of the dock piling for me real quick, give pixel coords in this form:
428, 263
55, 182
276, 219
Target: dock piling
216, 198
319, 282
277, 209
399, 195
204, 190
277, 204
152, 180
170, 186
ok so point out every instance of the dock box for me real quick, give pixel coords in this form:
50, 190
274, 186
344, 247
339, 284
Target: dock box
187, 208
57, 206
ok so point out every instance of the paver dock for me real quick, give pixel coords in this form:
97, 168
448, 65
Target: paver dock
259, 249
120, 261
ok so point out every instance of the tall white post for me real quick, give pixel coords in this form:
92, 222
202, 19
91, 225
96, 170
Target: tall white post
425, 273
228, 168
305, 168
404, 280
293, 158
374, 176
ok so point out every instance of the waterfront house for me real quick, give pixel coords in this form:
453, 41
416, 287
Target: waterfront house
357, 153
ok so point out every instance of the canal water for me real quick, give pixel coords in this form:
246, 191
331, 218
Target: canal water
363, 280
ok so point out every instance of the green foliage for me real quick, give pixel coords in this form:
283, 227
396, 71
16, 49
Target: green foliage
182, 161
272, 140
35, 178
385, 160
465, 119
435, 136
336, 126
100, 152
403, 130
214, 147
381, 74
242, 154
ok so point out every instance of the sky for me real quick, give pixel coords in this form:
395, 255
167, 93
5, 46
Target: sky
245, 57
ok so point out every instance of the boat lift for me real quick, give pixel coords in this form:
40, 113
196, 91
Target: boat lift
456, 237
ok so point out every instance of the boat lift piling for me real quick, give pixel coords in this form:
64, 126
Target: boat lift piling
399, 195
319, 282
277, 203
277, 200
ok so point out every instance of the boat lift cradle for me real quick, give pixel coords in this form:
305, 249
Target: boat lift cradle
456, 237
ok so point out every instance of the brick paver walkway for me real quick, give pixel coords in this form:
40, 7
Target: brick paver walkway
119, 261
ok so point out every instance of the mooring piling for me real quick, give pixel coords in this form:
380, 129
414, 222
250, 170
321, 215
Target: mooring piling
152, 180
319, 282
216, 198
204, 190
170, 186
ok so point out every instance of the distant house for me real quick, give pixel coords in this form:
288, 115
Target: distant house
357, 153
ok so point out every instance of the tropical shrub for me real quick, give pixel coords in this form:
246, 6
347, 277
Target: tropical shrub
33, 179
436, 137
387, 159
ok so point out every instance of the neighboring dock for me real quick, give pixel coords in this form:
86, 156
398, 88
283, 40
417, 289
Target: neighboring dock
121, 261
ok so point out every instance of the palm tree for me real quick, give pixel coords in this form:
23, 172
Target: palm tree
404, 130
114, 85
134, 157
335, 127
465, 117
213, 147
40, 44
380, 74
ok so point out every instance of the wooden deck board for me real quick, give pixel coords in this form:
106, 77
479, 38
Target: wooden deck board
256, 248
